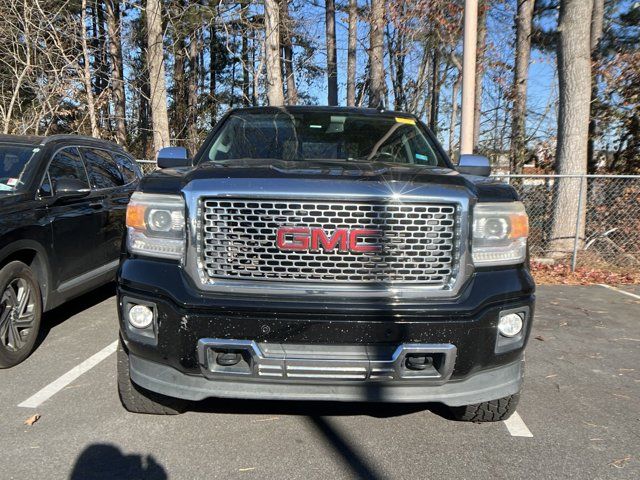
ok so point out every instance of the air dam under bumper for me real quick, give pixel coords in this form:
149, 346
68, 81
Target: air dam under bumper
432, 387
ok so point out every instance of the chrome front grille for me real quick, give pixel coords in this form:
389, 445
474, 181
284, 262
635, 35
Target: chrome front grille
238, 240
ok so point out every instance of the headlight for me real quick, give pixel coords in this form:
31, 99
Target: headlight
155, 225
500, 233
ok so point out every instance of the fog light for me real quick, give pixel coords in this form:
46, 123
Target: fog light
510, 324
140, 316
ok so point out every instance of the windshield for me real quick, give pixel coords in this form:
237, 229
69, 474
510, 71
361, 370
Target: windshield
13, 165
323, 136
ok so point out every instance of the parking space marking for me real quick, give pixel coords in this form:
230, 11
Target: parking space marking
517, 427
54, 387
620, 291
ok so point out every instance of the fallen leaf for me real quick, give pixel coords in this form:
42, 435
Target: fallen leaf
32, 419
620, 462
540, 337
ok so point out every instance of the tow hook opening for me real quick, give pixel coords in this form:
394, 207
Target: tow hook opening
228, 359
418, 361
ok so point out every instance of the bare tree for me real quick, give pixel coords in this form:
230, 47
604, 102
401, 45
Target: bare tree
597, 21
332, 68
286, 34
377, 90
574, 73
192, 92
114, 30
480, 50
157, 80
524, 18
275, 94
88, 86
351, 52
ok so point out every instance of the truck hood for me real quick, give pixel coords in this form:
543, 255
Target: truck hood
173, 180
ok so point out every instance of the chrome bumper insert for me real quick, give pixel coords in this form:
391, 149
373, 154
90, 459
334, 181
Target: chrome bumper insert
326, 362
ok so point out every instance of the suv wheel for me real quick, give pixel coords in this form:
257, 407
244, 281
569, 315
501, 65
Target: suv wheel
136, 399
491, 411
20, 313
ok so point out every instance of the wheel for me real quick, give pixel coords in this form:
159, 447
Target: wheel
491, 411
20, 313
136, 399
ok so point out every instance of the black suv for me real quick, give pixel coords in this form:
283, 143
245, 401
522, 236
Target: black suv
62, 206
311, 253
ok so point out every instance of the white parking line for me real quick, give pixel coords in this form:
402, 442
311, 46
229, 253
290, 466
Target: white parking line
620, 291
517, 427
54, 387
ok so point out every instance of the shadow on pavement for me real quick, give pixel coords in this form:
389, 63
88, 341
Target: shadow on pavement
354, 459
105, 461
58, 315
313, 408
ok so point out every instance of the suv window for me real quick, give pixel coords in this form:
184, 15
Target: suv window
129, 169
103, 170
67, 163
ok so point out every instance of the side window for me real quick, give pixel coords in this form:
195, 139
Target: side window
129, 169
67, 163
103, 171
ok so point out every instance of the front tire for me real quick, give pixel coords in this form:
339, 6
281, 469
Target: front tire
136, 399
491, 411
20, 313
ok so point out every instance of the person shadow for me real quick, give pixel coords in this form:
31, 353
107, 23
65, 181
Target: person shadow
106, 461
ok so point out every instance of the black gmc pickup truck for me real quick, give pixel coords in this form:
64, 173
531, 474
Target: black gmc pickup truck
311, 253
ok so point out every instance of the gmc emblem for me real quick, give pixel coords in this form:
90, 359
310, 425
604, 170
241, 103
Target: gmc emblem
315, 239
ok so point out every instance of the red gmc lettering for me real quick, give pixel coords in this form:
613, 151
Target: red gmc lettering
293, 238
315, 239
319, 240
356, 235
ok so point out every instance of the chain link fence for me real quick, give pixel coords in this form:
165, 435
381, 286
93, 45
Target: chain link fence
593, 220
596, 221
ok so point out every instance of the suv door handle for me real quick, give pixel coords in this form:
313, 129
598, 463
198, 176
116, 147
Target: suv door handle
96, 205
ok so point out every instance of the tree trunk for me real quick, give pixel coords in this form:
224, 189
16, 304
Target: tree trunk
192, 93
213, 48
435, 92
524, 19
275, 94
157, 82
246, 100
454, 114
86, 70
179, 112
597, 21
112, 8
480, 49
287, 51
574, 74
351, 52
376, 55
332, 67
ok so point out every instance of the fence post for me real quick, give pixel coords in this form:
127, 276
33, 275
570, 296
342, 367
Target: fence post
574, 258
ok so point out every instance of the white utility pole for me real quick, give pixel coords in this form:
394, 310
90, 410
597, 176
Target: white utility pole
468, 75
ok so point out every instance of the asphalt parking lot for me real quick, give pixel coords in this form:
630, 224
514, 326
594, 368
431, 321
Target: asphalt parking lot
579, 416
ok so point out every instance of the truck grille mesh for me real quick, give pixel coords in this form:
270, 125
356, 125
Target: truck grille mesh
238, 240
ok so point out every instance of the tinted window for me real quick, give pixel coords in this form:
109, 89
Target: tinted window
14, 161
317, 135
129, 169
103, 170
67, 163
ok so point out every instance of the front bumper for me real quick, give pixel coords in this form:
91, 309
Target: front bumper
172, 364
483, 386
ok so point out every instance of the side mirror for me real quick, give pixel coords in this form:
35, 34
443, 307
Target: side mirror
69, 188
169, 157
474, 165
